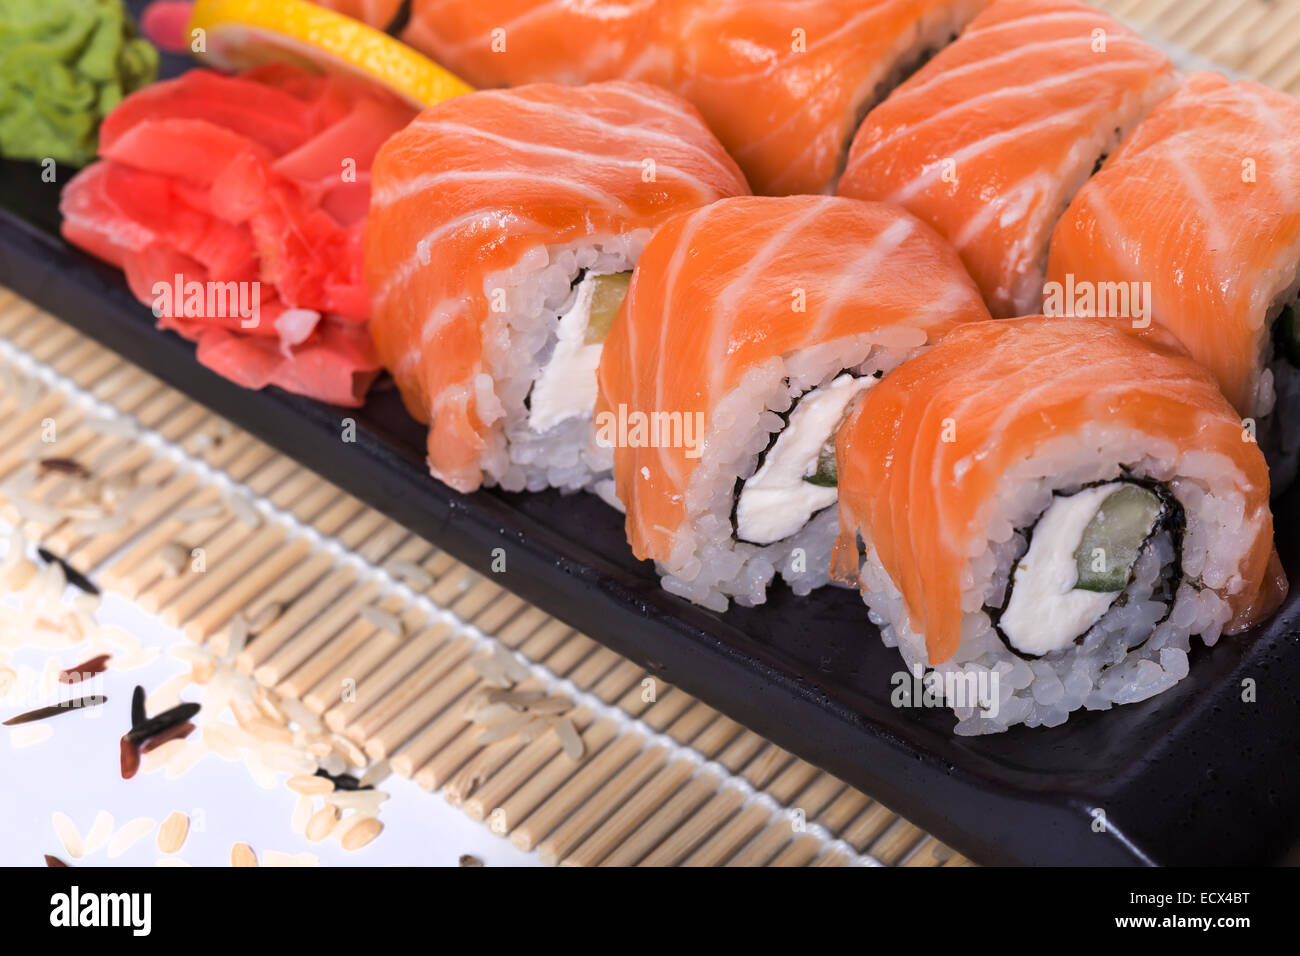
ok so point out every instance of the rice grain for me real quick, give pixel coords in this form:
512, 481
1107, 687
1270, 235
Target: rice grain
68, 835
383, 620
569, 738
310, 786
411, 573
173, 832
241, 854
199, 513
322, 823
126, 837
303, 809
243, 509
362, 833
100, 830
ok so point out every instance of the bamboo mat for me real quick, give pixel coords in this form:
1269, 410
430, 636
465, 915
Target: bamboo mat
662, 781
665, 780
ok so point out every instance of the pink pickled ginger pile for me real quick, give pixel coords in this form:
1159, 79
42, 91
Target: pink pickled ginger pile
210, 183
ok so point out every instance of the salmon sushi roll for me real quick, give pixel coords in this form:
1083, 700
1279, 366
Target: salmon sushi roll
1194, 226
751, 326
512, 42
503, 228
1056, 546
784, 83
990, 140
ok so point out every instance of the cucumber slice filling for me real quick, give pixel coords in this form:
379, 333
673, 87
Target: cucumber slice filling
1112, 539
1079, 561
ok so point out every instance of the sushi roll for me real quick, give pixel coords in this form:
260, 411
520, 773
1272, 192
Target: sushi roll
990, 140
503, 227
1059, 541
1197, 219
512, 42
784, 83
750, 328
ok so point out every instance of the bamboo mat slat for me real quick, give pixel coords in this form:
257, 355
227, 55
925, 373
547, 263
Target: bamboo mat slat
663, 781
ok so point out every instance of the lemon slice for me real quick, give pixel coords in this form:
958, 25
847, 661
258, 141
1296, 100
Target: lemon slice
238, 34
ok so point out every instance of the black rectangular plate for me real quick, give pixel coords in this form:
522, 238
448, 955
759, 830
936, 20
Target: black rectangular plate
1194, 776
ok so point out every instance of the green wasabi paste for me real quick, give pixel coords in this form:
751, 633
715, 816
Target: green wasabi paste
64, 64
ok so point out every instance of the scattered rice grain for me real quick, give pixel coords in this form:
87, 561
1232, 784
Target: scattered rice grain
241, 854
68, 834
310, 786
411, 573
362, 833
100, 830
199, 513
126, 837
321, 823
569, 738
303, 809
383, 620
173, 832
243, 509
173, 557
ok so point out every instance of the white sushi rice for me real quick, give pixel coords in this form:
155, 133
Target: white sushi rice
1117, 662
517, 342
708, 565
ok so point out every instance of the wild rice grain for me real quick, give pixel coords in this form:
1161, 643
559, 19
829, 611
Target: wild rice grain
54, 861
130, 758
362, 833
75, 675
322, 823
44, 713
173, 832
68, 835
467, 859
126, 837
73, 576
383, 620
164, 721
241, 854
179, 732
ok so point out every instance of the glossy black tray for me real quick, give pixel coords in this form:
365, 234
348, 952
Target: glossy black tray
1194, 776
